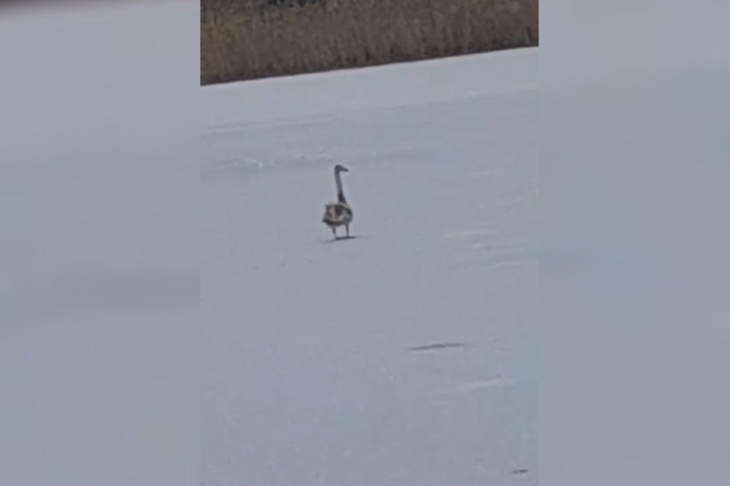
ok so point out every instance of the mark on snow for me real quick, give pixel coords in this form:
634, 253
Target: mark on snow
483, 384
437, 346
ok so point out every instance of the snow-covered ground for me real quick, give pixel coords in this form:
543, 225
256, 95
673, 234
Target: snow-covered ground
99, 282
345, 383
404, 356
634, 272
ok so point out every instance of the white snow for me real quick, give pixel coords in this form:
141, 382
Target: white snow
634, 235
321, 360
99, 158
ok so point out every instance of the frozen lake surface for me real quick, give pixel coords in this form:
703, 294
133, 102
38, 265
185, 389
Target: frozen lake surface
408, 354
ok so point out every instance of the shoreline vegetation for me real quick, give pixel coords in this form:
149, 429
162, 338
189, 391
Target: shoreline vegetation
250, 39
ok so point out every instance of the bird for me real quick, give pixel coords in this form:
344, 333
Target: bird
338, 213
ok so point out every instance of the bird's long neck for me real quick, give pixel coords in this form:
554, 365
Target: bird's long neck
340, 192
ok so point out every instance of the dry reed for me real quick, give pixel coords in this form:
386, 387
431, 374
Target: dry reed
246, 41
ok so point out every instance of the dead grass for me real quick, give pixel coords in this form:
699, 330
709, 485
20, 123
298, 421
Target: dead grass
244, 41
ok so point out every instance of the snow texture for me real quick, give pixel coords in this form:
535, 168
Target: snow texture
99, 154
407, 354
634, 273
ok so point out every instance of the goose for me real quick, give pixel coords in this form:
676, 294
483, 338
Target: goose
338, 213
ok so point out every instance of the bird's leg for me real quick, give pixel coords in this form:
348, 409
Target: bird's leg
347, 228
334, 232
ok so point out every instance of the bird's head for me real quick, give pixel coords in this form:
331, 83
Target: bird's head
340, 168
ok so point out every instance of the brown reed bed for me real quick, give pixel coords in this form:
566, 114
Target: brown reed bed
246, 40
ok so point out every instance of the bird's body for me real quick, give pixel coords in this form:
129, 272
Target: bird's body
338, 213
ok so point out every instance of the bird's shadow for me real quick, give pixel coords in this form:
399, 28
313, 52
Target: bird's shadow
344, 238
